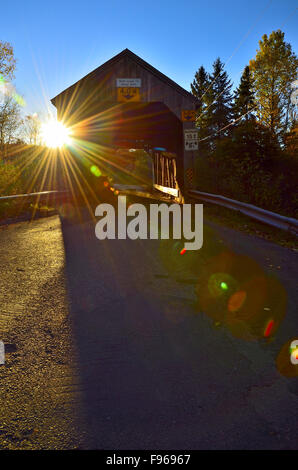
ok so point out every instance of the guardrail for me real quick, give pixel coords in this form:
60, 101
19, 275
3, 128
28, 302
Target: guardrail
270, 218
16, 205
34, 195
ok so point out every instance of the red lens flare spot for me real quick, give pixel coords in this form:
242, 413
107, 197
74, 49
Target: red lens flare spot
236, 301
269, 328
182, 251
294, 351
106, 184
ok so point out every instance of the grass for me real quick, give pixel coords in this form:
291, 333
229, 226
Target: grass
243, 223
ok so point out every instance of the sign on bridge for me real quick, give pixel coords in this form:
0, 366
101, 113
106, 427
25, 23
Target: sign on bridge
188, 115
125, 94
128, 82
191, 139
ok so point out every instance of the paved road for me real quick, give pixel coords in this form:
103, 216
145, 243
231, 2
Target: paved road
141, 367
38, 392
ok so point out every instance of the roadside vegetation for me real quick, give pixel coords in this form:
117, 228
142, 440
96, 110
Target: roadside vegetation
248, 139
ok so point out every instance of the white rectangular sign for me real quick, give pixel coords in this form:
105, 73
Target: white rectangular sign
128, 82
191, 139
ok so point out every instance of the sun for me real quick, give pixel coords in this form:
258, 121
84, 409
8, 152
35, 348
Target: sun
55, 134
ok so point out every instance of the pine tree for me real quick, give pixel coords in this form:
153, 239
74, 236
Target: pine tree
199, 87
244, 96
220, 111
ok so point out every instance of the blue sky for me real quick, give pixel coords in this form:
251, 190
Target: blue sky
58, 42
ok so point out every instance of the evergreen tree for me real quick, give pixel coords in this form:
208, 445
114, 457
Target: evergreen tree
220, 111
202, 90
199, 87
244, 96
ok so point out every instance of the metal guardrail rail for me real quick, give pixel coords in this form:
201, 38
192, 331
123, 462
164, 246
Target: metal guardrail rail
270, 218
15, 205
33, 195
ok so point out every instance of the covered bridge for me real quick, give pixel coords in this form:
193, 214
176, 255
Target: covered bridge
128, 100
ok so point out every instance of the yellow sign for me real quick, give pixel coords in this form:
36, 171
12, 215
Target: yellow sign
128, 94
188, 115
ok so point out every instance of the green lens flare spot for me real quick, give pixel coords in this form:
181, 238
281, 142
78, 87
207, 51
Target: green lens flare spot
20, 100
95, 171
220, 284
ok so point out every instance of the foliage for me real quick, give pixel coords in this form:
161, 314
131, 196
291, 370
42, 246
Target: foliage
291, 140
252, 168
10, 120
220, 109
7, 60
273, 71
215, 100
10, 183
32, 129
244, 99
199, 88
248, 143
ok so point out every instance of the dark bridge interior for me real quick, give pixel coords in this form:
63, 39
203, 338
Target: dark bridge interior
133, 125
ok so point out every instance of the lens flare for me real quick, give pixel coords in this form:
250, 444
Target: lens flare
236, 300
95, 171
268, 328
55, 134
220, 283
287, 359
8, 90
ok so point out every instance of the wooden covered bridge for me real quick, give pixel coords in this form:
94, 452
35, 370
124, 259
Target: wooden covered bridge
127, 100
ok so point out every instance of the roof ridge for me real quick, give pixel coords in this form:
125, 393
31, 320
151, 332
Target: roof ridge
139, 60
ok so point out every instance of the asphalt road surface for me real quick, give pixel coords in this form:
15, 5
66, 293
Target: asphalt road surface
107, 349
